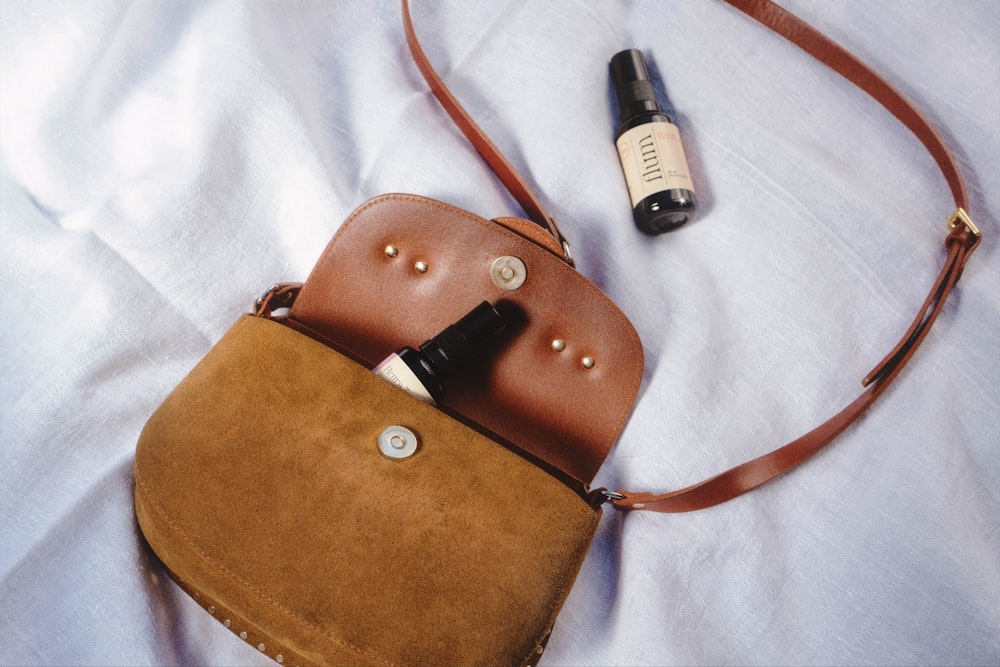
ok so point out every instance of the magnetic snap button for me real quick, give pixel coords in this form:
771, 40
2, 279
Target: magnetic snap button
397, 442
508, 273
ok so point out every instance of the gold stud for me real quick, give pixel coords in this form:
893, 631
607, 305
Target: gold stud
391, 251
421, 266
588, 362
558, 345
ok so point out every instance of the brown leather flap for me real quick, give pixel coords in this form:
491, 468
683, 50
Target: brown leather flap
539, 398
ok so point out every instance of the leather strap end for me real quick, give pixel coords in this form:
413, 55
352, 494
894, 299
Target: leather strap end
963, 239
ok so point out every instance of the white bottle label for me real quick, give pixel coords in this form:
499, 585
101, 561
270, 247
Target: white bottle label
653, 160
397, 372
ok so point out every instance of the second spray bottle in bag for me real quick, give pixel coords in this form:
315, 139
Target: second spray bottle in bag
422, 371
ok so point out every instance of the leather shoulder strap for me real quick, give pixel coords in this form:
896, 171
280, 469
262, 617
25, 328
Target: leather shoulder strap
501, 166
847, 65
960, 242
963, 238
750, 475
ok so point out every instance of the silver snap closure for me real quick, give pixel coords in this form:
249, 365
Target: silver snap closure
508, 273
397, 442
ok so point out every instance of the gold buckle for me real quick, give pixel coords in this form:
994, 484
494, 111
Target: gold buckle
961, 216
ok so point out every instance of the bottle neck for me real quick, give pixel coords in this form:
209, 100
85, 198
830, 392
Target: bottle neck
637, 98
636, 120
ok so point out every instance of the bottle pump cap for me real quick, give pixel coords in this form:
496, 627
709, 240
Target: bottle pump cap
453, 346
633, 87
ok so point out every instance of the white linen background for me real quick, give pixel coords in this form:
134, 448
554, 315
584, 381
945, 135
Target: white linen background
163, 162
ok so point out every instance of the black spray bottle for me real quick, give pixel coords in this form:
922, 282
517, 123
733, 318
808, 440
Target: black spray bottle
423, 371
649, 147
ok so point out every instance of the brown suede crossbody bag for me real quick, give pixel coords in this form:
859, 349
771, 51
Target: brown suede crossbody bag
283, 418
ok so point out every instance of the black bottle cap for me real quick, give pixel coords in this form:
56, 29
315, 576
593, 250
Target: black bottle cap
452, 347
633, 87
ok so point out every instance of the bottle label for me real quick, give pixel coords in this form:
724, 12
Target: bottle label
397, 372
653, 160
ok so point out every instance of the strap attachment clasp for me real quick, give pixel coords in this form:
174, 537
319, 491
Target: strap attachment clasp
961, 217
276, 297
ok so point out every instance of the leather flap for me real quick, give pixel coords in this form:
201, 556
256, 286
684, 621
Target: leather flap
540, 399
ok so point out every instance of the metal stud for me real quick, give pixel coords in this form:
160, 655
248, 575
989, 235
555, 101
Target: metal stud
243, 636
211, 610
391, 251
558, 345
588, 362
261, 648
227, 623
279, 658
421, 266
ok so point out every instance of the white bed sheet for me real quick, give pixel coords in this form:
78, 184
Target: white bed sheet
163, 162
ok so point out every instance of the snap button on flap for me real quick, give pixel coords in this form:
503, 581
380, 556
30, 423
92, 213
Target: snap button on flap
508, 273
397, 442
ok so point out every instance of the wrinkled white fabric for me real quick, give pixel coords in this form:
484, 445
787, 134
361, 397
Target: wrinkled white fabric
163, 162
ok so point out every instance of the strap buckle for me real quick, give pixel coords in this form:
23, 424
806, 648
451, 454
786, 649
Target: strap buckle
961, 217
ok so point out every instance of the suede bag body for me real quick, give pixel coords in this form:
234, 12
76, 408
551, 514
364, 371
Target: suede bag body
261, 487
